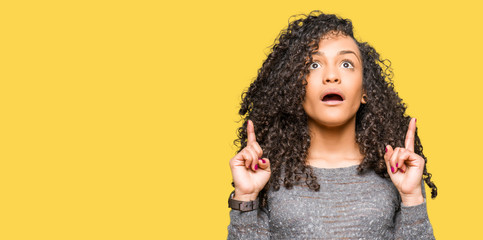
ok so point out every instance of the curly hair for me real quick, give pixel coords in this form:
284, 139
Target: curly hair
274, 103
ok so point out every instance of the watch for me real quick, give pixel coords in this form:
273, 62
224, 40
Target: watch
244, 206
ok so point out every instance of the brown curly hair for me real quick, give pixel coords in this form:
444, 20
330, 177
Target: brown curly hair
274, 103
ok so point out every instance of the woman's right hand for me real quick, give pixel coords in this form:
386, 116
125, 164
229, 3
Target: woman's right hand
250, 172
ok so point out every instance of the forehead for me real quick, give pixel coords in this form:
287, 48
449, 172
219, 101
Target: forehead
335, 43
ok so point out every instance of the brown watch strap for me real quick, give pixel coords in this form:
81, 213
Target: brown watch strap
244, 206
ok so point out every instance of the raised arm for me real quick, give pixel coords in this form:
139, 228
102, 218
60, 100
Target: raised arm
405, 168
250, 175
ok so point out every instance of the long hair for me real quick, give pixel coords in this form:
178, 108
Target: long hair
274, 103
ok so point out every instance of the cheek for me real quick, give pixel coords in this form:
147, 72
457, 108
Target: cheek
311, 97
355, 91
357, 84
311, 92
357, 98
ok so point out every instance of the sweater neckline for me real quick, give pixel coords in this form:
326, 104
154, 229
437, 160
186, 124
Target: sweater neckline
348, 169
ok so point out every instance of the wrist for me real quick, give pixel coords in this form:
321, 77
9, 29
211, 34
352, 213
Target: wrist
412, 200
245, 196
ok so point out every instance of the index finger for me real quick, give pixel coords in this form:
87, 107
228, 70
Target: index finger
410, 135
251, 138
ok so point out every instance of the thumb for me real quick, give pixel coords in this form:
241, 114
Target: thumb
387, 157
388, 154
264, 164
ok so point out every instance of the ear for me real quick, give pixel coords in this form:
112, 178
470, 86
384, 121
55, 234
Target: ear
364, 97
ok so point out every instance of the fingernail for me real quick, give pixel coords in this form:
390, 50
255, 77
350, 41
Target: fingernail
256, 167
397, 164
392, 169
415, 120
263, 160
385, 149
403, 171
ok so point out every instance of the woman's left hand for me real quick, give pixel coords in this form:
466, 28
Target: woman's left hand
406, 168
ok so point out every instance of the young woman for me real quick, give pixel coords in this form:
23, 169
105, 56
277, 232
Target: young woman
326, 149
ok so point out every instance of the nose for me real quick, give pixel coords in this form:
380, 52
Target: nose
332, 76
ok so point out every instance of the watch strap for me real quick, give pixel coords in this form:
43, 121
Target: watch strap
244, 206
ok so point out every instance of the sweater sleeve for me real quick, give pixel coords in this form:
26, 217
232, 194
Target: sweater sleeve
412, 222
249, 225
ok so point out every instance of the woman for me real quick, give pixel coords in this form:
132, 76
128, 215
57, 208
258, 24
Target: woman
326, 123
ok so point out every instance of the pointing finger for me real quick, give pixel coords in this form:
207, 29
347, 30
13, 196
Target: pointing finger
257, 149
410, 135
251, 132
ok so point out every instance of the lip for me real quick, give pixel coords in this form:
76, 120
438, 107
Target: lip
333, 102
332, 91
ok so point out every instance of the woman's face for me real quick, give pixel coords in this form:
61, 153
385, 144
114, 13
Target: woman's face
336, 68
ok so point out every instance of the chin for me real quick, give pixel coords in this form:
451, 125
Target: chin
335, 121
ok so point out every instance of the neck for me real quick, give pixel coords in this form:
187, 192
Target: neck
332, 147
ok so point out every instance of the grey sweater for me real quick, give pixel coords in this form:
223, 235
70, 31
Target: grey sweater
347, 206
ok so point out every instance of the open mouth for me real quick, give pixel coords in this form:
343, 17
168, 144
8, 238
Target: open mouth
332, 97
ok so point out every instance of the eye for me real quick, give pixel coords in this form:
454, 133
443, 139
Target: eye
314, 65
347, 64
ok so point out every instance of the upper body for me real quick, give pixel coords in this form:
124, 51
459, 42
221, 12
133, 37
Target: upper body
322, 101
347, 206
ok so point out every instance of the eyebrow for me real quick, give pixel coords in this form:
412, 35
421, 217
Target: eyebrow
341, 52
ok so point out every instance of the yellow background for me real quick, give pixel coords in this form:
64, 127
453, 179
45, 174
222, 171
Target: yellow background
117, 117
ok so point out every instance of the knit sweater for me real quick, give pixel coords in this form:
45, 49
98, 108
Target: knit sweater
347, 206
